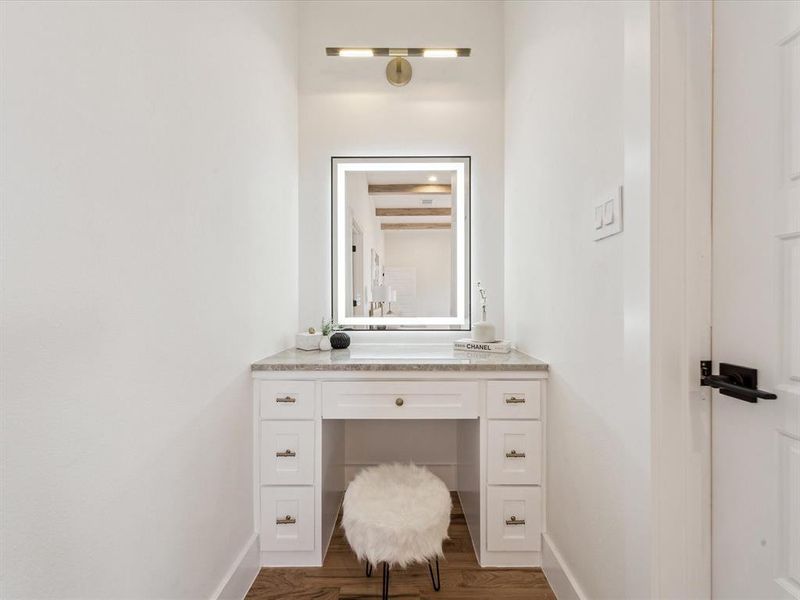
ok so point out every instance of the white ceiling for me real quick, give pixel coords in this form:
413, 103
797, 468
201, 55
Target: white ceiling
389, 177
410, 201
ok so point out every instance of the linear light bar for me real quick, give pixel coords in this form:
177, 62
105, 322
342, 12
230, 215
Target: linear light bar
440, 53
403, 52
356, 52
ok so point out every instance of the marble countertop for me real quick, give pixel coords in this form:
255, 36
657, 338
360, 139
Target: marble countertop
398, 357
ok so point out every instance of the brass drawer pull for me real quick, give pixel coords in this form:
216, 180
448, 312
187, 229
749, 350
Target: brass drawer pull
515, 400
287, 520
399, 402
515, 454
286, 454
514, 521
286, 400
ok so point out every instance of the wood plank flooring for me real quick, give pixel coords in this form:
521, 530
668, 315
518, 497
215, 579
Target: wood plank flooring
342, 576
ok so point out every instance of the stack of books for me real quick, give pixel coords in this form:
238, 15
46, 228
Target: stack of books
468, 345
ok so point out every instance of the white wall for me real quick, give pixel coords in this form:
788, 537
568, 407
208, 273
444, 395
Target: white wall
149, 225
578, 304
450, 107
428, 251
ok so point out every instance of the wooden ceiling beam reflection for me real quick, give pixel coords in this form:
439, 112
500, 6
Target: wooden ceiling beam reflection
409, 226
413, 212
410, 188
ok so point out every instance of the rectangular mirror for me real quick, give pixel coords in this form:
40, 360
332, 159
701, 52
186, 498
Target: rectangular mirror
401, 242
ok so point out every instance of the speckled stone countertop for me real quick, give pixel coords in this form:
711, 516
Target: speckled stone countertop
398, 357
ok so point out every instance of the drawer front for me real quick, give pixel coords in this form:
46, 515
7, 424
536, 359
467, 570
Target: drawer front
287, 452
286, 399
400, 400
514, 518
513, 399
287, 518
515, 452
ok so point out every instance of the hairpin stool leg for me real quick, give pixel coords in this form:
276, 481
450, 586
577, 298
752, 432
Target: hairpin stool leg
385, 595
437, 581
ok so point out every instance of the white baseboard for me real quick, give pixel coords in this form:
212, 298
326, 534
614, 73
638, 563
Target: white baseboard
558, 573
241, 574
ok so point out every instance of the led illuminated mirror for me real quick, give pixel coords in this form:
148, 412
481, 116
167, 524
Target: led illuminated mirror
401, 242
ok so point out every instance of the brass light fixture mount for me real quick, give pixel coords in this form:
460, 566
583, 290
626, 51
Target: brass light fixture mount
398, 71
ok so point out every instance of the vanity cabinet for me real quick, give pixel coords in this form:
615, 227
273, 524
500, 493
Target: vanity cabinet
300, 410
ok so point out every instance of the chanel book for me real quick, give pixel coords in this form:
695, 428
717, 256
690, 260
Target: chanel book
468, 345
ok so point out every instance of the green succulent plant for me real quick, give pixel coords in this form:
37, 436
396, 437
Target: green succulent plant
329, 326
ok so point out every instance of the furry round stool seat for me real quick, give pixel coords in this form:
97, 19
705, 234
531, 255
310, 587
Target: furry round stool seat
396, 515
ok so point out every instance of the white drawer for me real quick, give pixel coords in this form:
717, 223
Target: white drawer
513, 399
515, 452
287, 518
400, 400
514, 518
286, 399
287, 452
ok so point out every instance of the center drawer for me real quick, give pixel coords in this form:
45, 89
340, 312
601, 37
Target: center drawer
400, 400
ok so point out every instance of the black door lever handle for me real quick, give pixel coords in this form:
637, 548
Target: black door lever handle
734, 381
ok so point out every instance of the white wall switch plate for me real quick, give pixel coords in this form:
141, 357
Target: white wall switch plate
598, 217
608, 212
608, 215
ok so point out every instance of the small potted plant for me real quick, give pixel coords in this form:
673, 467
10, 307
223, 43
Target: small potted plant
326, 329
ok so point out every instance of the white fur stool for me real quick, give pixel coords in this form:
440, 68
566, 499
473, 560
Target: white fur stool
397, 515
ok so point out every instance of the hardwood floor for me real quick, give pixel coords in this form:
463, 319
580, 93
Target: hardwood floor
342, 577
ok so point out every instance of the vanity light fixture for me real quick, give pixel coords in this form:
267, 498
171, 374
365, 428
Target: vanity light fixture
403, 52
398, 71
433, 178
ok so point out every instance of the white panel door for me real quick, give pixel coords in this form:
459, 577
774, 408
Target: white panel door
756, 298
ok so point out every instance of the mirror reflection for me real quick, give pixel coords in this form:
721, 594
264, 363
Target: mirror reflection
400, 242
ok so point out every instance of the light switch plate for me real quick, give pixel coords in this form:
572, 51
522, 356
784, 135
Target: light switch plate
608, 215
598, 217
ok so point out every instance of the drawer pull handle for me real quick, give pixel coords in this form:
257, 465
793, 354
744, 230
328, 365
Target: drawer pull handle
515, 521
515, 454
287, 520
515, 400
399, 402
286, 454
286, 400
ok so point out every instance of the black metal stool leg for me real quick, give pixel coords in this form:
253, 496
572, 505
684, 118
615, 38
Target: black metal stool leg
385, 595
437, 581
369, 569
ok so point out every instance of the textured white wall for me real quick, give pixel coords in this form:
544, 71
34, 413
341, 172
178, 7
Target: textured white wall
573, 302
149, 243
450, 107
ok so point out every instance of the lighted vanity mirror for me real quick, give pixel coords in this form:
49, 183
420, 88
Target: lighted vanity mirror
401, 242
